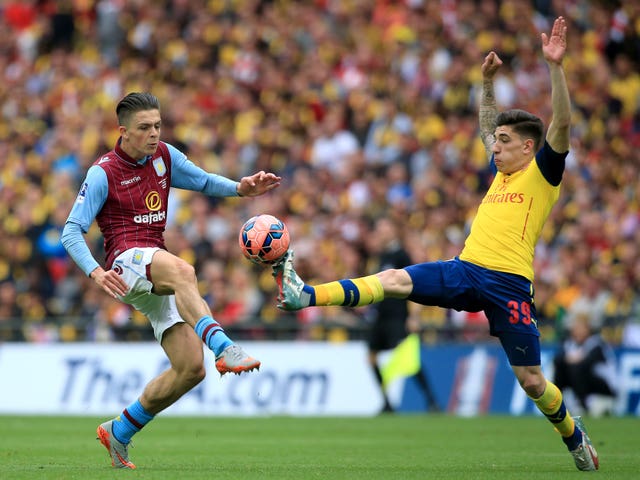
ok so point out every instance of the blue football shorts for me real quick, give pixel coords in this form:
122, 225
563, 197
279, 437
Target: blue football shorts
505, 298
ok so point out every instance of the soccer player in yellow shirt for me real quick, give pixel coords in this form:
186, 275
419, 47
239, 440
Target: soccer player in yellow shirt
494, 271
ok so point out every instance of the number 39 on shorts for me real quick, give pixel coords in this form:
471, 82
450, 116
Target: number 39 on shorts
520, 312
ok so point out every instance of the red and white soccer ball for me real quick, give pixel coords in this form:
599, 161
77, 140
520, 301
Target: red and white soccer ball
264, 239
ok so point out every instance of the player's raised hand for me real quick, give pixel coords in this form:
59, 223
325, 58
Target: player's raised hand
258, 183
491, 65
555, 46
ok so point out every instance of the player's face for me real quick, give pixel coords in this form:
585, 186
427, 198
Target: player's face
140, 138
511, 152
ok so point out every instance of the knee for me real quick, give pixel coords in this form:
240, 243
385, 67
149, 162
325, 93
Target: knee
389, 277
185, 271
533, 385
396, 282
192, 376
180, 273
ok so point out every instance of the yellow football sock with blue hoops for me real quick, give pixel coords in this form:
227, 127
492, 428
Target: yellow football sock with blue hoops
552, 405
355, 292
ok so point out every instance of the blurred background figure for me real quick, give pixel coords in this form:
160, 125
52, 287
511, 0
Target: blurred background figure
390, 318
585, 366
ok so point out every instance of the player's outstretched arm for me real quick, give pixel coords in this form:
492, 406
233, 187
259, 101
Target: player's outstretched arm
554, 48
488, 107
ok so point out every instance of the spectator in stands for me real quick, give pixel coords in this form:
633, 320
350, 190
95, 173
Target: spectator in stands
384, 143
590, 303
622, 307
334, 147
10, 313
308, 55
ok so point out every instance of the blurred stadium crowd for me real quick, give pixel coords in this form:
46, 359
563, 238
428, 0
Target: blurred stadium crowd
365, 108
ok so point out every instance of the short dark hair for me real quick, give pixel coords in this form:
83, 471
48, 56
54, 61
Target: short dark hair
525, 124
135, 102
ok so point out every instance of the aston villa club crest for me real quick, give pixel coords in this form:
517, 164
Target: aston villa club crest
138, 256
159, 166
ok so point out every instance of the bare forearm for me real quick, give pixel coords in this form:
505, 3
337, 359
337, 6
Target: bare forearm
558, 133
560, 96
487, 114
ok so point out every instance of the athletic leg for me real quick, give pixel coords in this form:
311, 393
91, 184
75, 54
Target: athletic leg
184, 350
432, 283
356, 292
525, 349
425, 386
512, 317
173, 276
373, 363
548, 399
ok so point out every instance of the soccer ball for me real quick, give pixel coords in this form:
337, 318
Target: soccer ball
264, 239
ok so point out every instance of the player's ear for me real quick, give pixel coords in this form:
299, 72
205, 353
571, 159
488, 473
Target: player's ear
123, 131
528, 146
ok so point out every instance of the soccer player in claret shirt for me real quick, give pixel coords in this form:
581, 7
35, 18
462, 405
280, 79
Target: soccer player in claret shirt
126, 191
494, 271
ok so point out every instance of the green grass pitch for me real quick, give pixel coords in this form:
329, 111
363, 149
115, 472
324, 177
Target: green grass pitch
386, 447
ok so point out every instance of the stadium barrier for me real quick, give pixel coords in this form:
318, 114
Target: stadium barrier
476, 379
297, 378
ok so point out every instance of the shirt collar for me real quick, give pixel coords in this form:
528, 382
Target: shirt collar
125, 156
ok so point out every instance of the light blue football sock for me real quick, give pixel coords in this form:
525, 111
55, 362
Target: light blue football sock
212, 334
130, 422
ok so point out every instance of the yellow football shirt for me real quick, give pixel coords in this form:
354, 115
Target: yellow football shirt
509, 221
